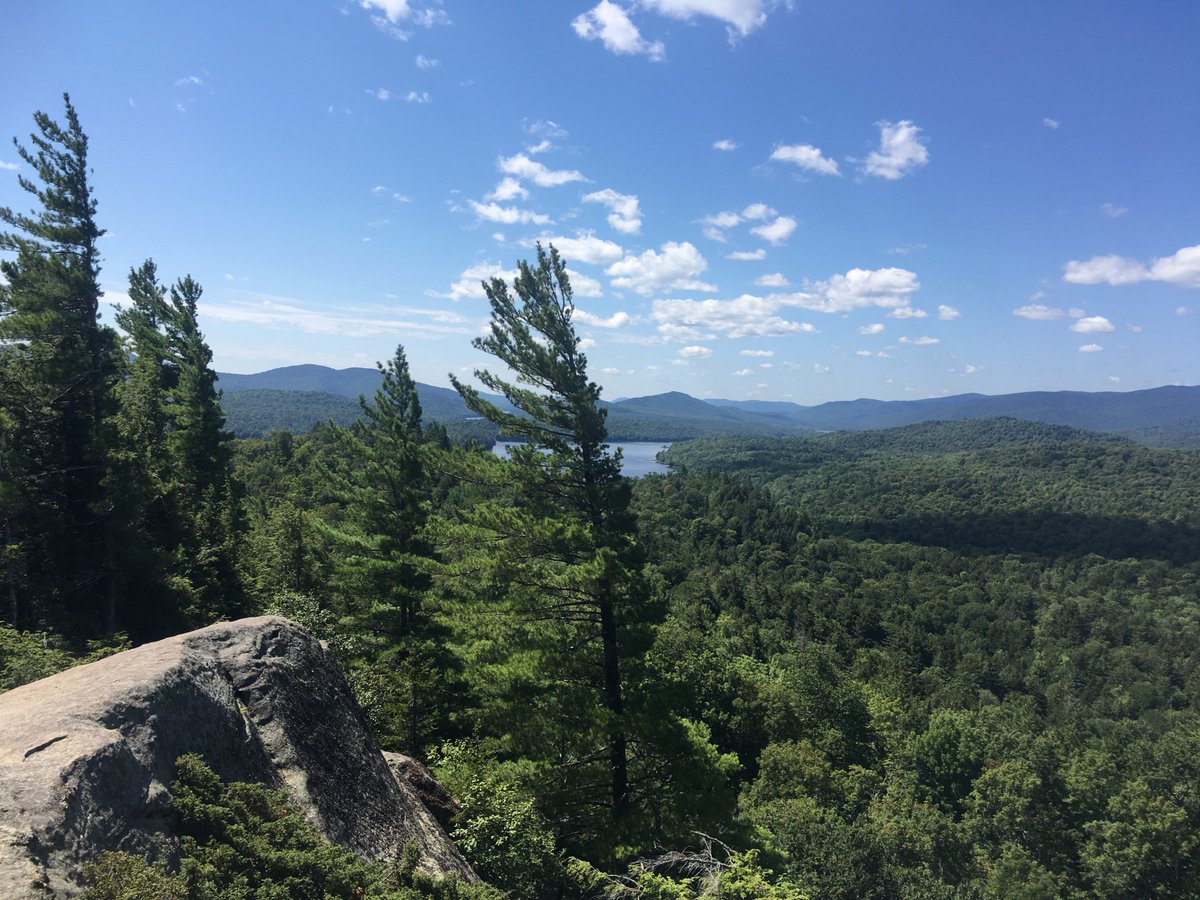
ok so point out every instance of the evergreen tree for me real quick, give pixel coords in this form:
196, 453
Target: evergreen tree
399, 666
554, 546
57, 371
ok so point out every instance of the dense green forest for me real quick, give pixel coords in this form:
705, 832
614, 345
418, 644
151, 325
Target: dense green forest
947, 660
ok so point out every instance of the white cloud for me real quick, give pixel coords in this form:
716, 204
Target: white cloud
971, 370
724, 219
396, 11
1090, 348
907, 312
508, 189
742, 373
1092, 325
381, 190
741, 16
1050, 123
900, 151
418, 97
677, 267
585, 248
623, 212
286, 313
923, 341
724, 144
424, 62
189, 81
889, 288
760, 354
776, 232
1039, 312
469, 283
807, 157
1181, 268
696, 352
523, 167
616, 320
775, 279
863, 353
380, 93
1113, 212
819, 369
1105, 270
9, 167
906, 249
610, 24
744, 316
747, 255
948, 313
545, 128
584, 285
757, 212
873, 328
1181, 310
507, 215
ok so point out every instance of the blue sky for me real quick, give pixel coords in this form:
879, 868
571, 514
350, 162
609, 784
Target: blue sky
806, 201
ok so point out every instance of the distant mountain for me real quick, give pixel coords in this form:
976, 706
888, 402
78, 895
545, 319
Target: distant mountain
1165, 416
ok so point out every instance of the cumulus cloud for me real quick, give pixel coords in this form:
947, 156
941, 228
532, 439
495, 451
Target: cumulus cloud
1181, 268
696, 352
584, 285
380, 93
740, 16
923, 341
757, 212
508, 189
760, 354
742, 373
948, 313
1050, 123
907, 312
716, 224
890, 288
677, 267
289, 313
586, 249
610, 24
382, 190
387, 16
807, 157
424, 62
747, 255
776, 232
507, 215
418, 97
616, 320
900, 152
744, 316
624, 213
873, 328
1092, 325
724, 144
9, 167
1090, 348
470, 282
1113, 211
775, 279
1039, 312
521, 166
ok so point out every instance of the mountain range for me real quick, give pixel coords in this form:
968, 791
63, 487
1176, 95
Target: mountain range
296, 397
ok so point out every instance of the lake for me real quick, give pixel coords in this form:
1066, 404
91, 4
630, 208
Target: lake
638, 456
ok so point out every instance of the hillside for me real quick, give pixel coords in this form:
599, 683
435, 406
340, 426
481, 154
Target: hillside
1166, 416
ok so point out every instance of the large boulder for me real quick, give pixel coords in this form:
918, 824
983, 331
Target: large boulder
87, 756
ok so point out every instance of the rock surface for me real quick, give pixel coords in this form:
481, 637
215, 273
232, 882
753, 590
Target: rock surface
87, 755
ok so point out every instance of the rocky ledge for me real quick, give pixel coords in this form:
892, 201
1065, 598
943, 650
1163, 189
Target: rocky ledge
87, 756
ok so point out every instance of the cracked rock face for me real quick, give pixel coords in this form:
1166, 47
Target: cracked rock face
87, 756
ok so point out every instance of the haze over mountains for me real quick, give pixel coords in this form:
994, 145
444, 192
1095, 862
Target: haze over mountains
297, 397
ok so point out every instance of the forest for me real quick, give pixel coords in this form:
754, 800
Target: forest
941, 661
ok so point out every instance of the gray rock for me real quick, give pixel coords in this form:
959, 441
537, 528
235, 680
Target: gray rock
433, 794
87, 755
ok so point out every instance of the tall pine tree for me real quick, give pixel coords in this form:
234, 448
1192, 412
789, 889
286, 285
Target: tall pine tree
57, 374
554, 554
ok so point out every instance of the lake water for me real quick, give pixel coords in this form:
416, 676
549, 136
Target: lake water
638, 456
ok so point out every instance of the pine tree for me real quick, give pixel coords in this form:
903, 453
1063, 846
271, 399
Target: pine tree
57, 371
381, 573
557, 553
